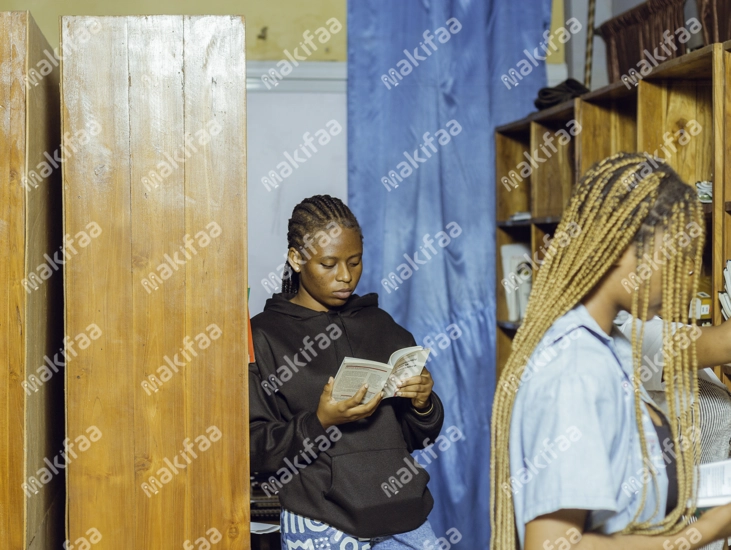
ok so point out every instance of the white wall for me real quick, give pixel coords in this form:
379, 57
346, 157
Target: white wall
310, 96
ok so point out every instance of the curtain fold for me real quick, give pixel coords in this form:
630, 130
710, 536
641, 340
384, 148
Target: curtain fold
426, 88
630, 33
716, 19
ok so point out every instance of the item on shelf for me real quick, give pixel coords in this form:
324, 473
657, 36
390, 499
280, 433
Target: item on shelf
705, 191
568, 89
723, 297
515, 277
702, 300
524, 272
520, 216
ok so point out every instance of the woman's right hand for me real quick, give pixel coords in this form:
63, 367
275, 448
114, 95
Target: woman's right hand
332, 413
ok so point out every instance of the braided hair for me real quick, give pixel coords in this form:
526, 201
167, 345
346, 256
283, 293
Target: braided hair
308, 217
613, 215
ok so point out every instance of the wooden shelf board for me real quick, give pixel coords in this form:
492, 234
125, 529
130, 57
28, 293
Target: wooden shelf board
548, 220
696, 65
518, 127
615, 90
509, 325
514, 223
561, 112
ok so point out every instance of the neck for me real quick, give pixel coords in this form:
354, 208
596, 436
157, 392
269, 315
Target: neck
305, 299
602, 309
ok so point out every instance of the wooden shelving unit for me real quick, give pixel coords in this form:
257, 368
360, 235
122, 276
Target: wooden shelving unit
612, 119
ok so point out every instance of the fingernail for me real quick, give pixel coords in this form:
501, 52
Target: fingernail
398, 393
330, 380
365, 386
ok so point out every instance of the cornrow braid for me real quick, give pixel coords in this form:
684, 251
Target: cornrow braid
611, 215
308, 217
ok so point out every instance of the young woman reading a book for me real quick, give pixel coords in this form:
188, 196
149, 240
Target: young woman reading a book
580, 428
343, 469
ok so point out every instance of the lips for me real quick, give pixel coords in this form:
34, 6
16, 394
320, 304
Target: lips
343, 294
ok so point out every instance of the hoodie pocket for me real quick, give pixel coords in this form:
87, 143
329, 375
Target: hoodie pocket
386, 488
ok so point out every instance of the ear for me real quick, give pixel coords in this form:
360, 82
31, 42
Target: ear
295, 259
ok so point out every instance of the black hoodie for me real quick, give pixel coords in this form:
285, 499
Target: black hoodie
343, 485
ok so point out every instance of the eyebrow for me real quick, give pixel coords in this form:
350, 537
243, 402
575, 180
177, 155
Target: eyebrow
334, 258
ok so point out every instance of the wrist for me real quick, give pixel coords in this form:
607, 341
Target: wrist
426, 409
325, 425
426, 404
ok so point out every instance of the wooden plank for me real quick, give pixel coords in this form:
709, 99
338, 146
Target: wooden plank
215, 190
44, 329
158, 226
553, 178
513, 191
607, 127
98, 281
721, 182
171, 164
13, 46
31, 428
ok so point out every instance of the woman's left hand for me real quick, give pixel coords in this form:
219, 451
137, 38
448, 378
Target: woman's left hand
418, 388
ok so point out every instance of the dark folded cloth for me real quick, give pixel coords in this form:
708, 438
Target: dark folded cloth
568, 89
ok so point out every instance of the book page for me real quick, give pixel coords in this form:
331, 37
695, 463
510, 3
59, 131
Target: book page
714, 488
408, 364
353, 373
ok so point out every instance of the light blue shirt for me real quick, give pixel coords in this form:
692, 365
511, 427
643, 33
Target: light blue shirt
574, 441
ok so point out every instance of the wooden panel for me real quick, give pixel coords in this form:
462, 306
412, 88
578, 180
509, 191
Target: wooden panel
13, 45
31, 421
721, 187
607, 127
168, 189
44, 321
98, 283
156, 133
665, 108
215, 186
553, 175
513, 191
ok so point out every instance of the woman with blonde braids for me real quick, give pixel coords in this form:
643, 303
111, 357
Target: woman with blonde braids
572, 425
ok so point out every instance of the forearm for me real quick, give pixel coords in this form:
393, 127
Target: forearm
713, 346
694, 536
417, 428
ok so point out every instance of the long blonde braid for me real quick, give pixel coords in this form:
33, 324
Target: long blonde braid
620, 201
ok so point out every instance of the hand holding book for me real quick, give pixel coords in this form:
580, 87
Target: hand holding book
388, 378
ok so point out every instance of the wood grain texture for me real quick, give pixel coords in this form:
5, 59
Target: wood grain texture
31, 420
513, 191
98, 284
216, 293
608, 127
13, 47
722, 182
166, 181
44, 306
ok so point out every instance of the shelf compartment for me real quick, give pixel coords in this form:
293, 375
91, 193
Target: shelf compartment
675, 122
552, 149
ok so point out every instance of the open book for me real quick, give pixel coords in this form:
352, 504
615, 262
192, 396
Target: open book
714, 488
353, 373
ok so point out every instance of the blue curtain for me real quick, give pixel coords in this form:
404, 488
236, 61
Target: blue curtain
449, 56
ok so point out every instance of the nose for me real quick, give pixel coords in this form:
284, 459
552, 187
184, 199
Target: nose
343, 274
